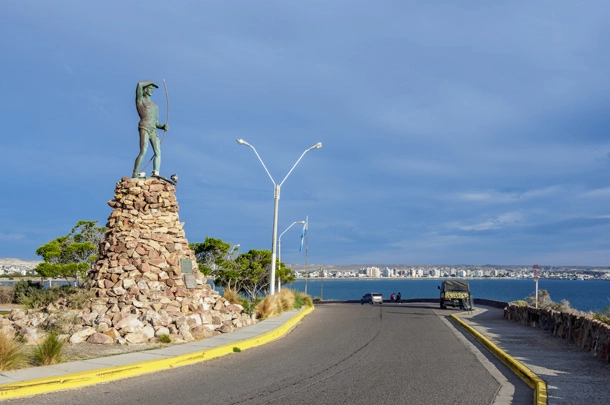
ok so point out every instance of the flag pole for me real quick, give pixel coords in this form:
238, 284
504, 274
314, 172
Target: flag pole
306, 250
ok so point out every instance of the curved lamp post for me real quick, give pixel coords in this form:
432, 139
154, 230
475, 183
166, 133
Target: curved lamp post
279, 249
276, 198
233, 252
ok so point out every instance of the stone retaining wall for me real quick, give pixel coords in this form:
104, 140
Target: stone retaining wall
587, 333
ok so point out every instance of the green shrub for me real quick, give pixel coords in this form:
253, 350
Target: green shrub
34, 296
249, 306
49, 351
24, 288
603, 316
165, 338
34, 299
75, 297
545, 302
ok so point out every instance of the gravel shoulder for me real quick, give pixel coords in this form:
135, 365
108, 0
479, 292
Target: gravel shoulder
85, 351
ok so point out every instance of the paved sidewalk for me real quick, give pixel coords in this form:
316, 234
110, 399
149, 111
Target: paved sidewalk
573, 376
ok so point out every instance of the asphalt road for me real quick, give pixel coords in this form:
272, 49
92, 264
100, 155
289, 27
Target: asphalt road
339, 354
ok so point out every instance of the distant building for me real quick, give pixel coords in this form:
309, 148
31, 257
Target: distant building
373, 272
434, 273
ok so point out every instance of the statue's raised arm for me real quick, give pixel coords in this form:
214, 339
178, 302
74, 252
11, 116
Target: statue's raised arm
140, 89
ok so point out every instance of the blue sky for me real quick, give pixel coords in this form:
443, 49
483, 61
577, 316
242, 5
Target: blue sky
454, 132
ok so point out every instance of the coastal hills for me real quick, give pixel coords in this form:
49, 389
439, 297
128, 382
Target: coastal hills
12, 261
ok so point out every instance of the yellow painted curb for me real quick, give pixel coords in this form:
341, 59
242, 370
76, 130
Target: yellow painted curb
92, 377
531, 379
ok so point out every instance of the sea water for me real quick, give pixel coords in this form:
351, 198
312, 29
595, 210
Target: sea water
584, 295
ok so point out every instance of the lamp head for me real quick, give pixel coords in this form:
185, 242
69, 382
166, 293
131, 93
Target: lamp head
242, 142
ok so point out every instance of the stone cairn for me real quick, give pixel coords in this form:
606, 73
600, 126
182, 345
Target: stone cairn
146, 280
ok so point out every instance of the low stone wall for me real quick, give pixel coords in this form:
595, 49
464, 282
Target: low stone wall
490, 303
587, 333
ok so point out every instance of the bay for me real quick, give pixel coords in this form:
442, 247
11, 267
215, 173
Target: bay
584, 295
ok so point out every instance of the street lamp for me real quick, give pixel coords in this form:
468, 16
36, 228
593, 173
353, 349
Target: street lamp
234, 251
276, 198
279, 249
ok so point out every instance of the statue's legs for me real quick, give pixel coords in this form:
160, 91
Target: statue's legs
143, 149
156, 146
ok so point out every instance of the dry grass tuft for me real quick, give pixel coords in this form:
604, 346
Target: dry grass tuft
7, 295
302, 300
232, 296
286, 299
11, 353
266, 308
50, 351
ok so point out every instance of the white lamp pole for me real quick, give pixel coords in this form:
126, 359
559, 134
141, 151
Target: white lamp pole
279, 250
276, 198
234, 251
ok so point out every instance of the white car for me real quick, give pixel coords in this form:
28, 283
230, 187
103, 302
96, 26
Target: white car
372, 298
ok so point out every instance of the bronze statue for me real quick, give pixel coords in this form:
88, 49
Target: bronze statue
149, 122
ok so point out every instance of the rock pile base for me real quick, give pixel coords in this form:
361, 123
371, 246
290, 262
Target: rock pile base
145, 281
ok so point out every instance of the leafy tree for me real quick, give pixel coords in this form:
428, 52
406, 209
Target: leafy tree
283, 273
246, 273
211, 254
72, 255
253, 272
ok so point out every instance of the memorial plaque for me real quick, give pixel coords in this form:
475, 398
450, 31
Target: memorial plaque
190, 281
186, 265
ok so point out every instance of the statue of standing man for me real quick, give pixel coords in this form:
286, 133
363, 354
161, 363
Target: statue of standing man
149, 122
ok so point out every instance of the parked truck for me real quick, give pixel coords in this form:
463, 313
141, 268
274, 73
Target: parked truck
455, 293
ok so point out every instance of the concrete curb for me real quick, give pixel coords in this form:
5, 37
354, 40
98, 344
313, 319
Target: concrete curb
531, 379
92, 377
